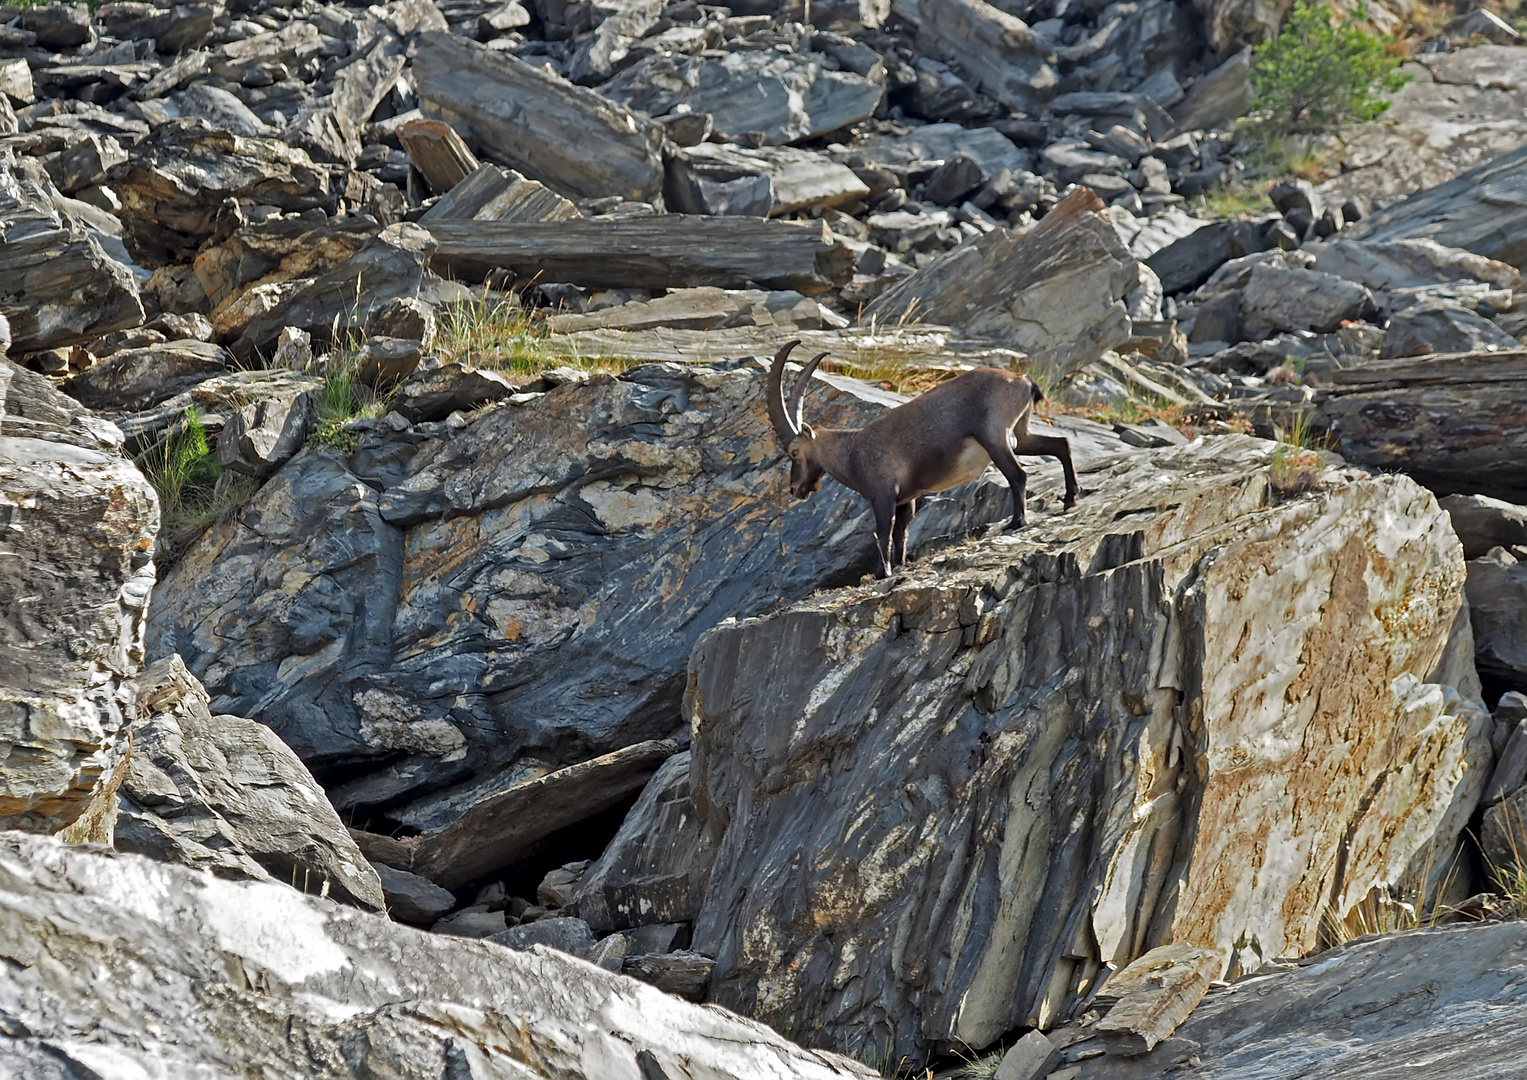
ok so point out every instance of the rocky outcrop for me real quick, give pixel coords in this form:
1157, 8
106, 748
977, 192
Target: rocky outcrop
530, 584
1482, 210
1193, 709
1455, 113
1457, 423
1373, 1008
1056, 292
224, 794
120, 964
80, 524
58, 285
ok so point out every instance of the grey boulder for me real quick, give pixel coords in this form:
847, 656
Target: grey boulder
225, 794
179, 973
1441, 326
1288, 298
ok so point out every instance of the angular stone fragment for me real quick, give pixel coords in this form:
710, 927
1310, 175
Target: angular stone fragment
998, 51
565, 935
1383, 267
411, 898
493, 193
58, 286
435, 391
492, 834
57, 26
261, 437
274, 253
684, 973
1498, 609
1440, 326
570, 138
921, 147
438, 153
667, 251
1483, 523
1145, 1002
391, 266
935, 764
1056, 292
1457, 423
796, 178
1483, 210
175, 186
784, 97
653, 870
1220, 97
1289, 298
135, 379
225, 794
1445, 996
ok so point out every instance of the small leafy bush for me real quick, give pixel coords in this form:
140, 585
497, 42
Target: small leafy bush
1318, 73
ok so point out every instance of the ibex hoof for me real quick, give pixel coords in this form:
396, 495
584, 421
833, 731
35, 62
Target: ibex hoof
1016, 524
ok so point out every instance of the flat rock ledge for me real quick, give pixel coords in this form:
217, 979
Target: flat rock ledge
1198, 708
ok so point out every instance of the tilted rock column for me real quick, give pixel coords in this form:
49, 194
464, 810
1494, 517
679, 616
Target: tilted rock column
1190, 710
79, 522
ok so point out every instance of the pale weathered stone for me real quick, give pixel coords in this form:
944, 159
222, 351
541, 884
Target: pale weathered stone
1457, 111
1180, 712
1448, 997
1055, 292
1144, 1003
1288, 298
225, 794
80, 526
1220, 97
1441, 326
260, 437
998, 51
247, 978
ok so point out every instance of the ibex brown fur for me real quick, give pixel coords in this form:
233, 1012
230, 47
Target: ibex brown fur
938, 440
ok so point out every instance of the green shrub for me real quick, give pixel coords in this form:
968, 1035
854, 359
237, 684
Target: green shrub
1318, 73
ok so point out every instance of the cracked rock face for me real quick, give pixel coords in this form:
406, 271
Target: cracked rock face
1190, 710
120, 966
79, 523
535, 580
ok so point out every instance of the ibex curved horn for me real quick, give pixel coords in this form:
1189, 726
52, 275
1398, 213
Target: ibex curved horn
778, 414
797, 396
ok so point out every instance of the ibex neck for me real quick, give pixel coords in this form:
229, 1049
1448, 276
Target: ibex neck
833, 451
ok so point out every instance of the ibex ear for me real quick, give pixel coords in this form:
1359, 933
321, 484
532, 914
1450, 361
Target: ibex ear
806, 432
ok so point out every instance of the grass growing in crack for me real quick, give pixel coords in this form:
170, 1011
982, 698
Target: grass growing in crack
342, 398
1296, 461
1382, 913
194, 491
495, 333
885, 1062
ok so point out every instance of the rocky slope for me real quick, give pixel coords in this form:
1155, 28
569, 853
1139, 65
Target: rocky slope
488, 627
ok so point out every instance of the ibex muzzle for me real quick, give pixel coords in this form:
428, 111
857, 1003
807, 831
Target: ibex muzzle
937, 441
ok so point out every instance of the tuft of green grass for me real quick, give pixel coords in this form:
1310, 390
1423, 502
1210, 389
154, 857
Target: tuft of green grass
1382, 913
194, 491
496, 333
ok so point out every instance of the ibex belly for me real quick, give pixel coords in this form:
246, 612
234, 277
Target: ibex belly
970, 463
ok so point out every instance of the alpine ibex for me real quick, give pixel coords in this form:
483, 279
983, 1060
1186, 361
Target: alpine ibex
938, 440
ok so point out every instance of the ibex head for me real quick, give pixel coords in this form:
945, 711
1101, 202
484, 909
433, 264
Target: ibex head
794, 433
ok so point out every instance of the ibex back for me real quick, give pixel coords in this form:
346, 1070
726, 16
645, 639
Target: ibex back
938, 440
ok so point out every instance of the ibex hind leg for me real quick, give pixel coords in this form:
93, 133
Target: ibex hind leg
1056, 447
998, 445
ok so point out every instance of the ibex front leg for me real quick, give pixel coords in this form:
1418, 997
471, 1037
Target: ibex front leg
885, 517
904, 515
